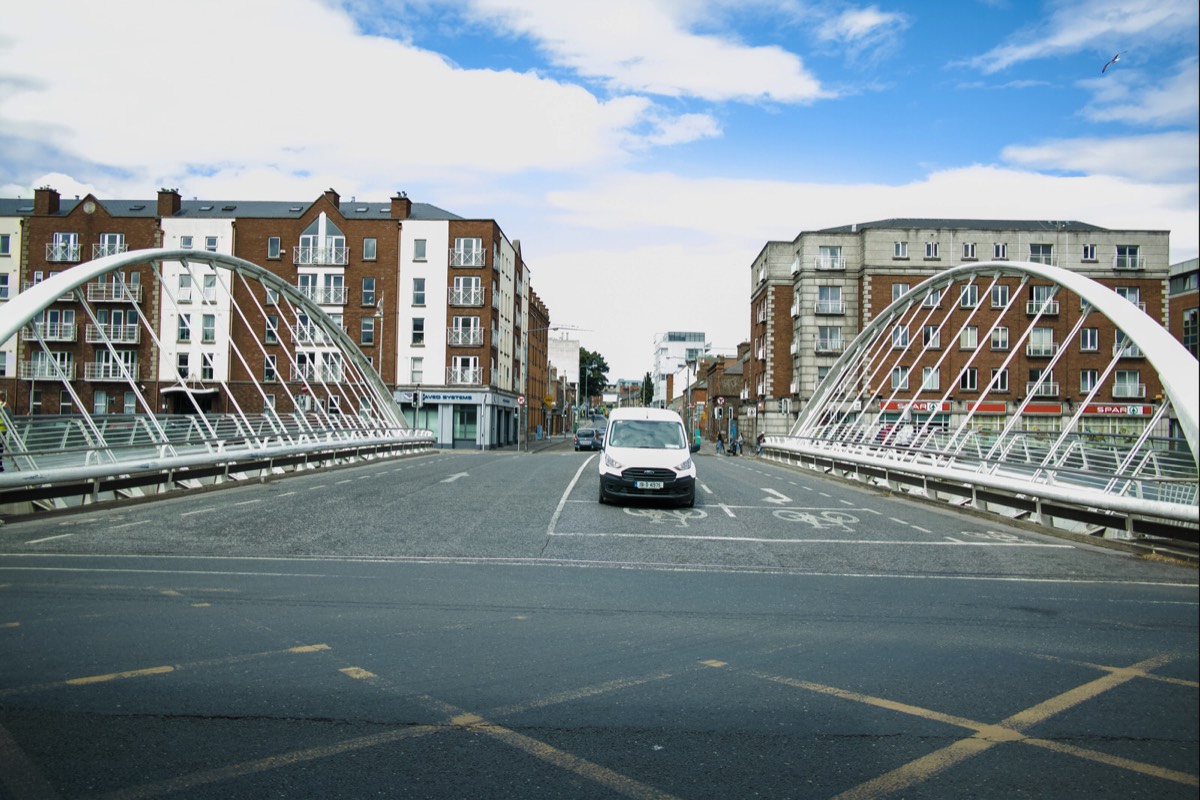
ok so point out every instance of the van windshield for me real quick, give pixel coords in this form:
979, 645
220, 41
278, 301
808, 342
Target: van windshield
656, 434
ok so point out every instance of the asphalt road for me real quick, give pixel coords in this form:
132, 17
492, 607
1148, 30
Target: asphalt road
477, 625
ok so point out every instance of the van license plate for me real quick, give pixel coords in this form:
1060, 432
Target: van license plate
648, 484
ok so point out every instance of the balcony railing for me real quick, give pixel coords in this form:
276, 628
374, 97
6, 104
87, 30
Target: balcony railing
1041, 349
1044, 307
830, 262
1127, 350
831, 307
1049, 259
102, 250
313, 372
325, 295
466, 297
45, 371
49, 332
464, 337
320, 256
460, 376
1046, 389
62, 252
310, 334
66, 298
109, 292
1129, 391
117, 334
1129, 262
467, 258
110, 372
830, 345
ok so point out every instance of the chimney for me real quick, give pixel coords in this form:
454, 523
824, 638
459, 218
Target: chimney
45, 201
334, 198
401, 206
168, 202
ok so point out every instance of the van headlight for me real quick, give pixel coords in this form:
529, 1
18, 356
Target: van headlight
612, 463
686, 466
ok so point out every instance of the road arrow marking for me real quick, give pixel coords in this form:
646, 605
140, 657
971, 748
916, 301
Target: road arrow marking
455, 477
778, 498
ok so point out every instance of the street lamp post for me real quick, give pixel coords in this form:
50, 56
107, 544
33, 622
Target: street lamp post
379, 318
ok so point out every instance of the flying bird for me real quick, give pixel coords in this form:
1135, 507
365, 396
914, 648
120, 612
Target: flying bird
1111, 61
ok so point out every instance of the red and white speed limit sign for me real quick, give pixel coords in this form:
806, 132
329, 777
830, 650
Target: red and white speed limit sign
520, 399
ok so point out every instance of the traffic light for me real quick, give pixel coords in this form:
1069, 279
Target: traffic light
416, 399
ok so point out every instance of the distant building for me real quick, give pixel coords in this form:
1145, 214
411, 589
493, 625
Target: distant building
672, 350
1184, 299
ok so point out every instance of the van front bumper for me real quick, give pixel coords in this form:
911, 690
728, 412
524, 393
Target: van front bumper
647, 484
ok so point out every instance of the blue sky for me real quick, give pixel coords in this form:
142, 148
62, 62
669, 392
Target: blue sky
642, 151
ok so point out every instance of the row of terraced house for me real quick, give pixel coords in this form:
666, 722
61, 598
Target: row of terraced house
441, 305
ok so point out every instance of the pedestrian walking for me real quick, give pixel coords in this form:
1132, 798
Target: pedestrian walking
720, 443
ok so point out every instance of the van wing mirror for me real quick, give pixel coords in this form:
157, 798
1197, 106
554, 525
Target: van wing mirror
695, 448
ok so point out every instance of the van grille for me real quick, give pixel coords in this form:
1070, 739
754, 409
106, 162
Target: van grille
645, 474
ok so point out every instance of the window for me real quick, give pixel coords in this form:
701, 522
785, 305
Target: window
1000, 338
1000, 251
969, 380
416, 369
931, 379
418, 291
1191, 331
3, 364
1089, 340
366, 334
5, 244
468, 252
418, 331
1128, 257
1127, 385
830, 257
368, 291
185, 289
99, 402
208, 331
1131, 293
1000, 380
1041, 253
182, 366
968, 339
931, 337
185, 327
269, 401
210, 244
369, 249
185, 242
1088, 379
999, 296
899, 290
900, 250
1041, 342
968, 252
418, 249
829, 340
931, 250
273, 247
899, 336
272, 297
271, 334
829, 300
130, 406
1089, 253
210, 288
4, 286
933, 299
969, 297
270, 375
206, 366
900, 377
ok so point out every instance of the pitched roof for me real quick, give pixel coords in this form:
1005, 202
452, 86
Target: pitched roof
909, 223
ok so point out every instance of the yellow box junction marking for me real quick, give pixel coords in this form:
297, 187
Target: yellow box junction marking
358, 673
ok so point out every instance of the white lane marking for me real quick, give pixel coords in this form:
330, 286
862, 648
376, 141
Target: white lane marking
922, 530
247, 502
728, 511
197, 511
455, 477
767, 539
898, 521
288, 494
348, 480
562, 501
956, 541
707, 490
871, 511
845, 502
50, 538
779, 497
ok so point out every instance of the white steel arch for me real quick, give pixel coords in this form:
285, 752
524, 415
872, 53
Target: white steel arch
1136, 474
319, 361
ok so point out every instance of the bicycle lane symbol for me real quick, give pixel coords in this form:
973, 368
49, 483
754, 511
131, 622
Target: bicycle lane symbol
659, 516
818, 520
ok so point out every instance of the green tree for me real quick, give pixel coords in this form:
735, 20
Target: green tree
647, 390
593, 375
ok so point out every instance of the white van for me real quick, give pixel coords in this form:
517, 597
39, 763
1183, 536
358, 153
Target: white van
646, 455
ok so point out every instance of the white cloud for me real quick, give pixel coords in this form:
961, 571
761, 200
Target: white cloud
1160, 156
859, 30
1123, 96
1085, 25
644, 46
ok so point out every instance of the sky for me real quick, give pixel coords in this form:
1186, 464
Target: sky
642, 151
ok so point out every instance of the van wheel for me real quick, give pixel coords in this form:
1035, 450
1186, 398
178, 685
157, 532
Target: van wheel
603, 499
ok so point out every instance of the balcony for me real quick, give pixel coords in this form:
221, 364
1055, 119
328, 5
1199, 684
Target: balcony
464, 376
1043, 258
830, 345
1129, 262
794, 348
1043, 307
117, 334
466, 297
1129, 391
62, 252
1046, 389
45, 371
93, 371
112, 292
311, 372
325, 296
1041, 349
66, 298
830, 263
1127, 350
102, 250
464, 337
796, 308
467, 258
310, 334
320, 256
831, 307
49, 332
